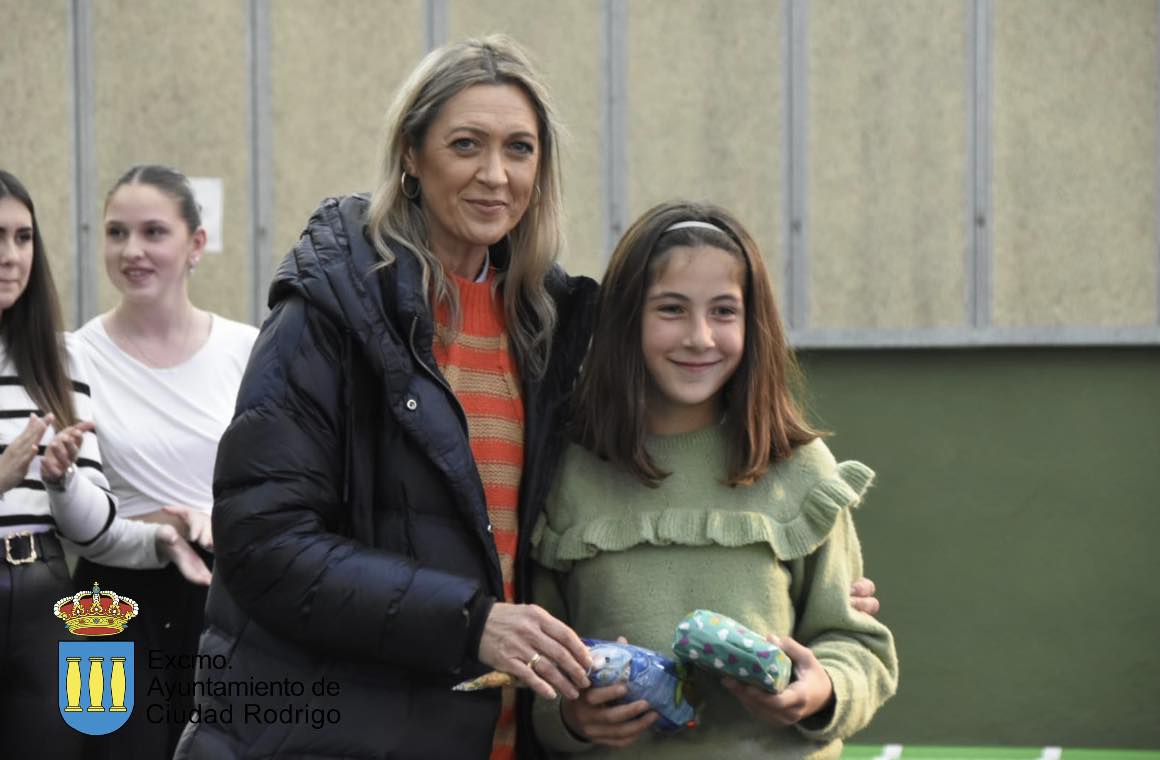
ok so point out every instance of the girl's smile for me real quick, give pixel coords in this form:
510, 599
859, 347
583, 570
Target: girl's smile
149, 248
693, 336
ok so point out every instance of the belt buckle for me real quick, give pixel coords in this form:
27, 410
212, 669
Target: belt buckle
32, 555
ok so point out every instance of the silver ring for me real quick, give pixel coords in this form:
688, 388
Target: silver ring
532, 663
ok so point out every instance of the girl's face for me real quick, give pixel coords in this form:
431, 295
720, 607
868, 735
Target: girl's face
148, 246
15, 250
692, 336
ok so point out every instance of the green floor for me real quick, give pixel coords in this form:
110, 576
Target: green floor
921, 752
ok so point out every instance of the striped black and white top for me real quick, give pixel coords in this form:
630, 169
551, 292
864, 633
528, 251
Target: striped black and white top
84, 515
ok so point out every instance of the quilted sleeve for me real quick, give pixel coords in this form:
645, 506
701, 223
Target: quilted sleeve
279, 512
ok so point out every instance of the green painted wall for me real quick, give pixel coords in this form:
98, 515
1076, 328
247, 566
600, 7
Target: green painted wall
1014, 535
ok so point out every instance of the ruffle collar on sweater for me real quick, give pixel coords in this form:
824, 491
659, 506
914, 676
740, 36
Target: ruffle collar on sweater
806, 495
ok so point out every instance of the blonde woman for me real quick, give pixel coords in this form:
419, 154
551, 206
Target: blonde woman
396, 434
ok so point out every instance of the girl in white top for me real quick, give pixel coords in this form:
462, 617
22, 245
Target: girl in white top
165, 378
52, 487
160, 425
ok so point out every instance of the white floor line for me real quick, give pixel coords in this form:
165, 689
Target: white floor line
893, 752
1051, 753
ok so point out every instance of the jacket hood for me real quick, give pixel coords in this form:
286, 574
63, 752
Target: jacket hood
334, 265
335, 270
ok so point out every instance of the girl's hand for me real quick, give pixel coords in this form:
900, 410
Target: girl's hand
196, 526
810, 691
518, 636
63, 450
21, 451
594, 716
177, 550
862, 596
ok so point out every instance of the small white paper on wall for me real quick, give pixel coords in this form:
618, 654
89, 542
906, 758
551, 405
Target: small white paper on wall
209, 194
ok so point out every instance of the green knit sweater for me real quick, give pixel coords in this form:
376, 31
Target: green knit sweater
616, 558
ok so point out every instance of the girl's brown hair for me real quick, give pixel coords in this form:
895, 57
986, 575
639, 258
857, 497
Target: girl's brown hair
32, 328
764, 419
170, 182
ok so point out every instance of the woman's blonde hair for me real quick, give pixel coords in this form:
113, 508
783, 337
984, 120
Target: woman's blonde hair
536, 239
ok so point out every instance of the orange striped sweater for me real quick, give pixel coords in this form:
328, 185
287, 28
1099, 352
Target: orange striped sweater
479, 367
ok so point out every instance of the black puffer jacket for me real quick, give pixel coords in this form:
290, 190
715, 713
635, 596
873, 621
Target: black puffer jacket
352, 536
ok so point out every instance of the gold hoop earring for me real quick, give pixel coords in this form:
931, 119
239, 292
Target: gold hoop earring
403, 187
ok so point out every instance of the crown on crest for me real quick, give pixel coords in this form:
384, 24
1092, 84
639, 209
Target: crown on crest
96, 612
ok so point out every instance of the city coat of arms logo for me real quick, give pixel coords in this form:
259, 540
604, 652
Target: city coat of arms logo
95, 689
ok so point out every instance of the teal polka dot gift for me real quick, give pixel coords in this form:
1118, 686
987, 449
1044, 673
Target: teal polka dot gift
721, 645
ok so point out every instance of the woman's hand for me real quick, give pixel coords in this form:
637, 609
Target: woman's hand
21, 451
862, 596
809, 692
196, 526
178, 551
516, 636
596, 717
63, 450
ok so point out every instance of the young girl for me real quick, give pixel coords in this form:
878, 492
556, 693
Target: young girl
51, 488
165, 379
697, 483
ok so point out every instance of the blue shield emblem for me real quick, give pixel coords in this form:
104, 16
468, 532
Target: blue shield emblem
96, 684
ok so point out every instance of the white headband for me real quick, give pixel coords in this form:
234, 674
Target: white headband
691, 223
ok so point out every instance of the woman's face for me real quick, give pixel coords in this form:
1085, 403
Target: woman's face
15, 250
477, 167
148, 246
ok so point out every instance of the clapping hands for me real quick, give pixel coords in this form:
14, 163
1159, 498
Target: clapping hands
177, 550
195, 525
20, 452
63, 450
175, 536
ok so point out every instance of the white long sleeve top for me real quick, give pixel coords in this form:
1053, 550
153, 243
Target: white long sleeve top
84, 516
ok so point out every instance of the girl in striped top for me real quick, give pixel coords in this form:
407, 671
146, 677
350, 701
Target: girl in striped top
53, 493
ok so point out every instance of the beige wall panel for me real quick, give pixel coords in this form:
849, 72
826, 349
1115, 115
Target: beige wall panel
1075, 162
705, 93
565, 41
887, 162
170, 84
335, 68
36, 122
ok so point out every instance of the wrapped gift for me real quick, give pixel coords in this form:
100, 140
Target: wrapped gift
649, 675
721, 645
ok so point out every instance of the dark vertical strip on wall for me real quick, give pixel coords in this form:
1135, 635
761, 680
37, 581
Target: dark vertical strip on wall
795, 51
615, 121
84, 166
979, 297
261, 154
